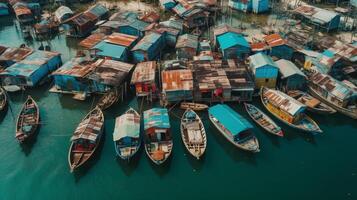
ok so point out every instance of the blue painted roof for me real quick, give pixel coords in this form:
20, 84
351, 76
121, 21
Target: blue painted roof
329, 53
156, 117
231, 39
30, 64
146, 42
109, 50
98, 10
229, 118
261, 60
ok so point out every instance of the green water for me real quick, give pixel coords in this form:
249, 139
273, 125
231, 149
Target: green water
295, 167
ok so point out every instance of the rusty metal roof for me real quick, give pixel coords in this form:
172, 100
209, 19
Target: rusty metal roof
22, 11
144, 72
173, 80
121, 39
16, 54
77, 67
150, 17
92, 40
224, 28
110, 72
2, 49
274, 40
258, 46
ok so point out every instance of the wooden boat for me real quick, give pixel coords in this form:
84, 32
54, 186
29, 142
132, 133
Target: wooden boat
3, 99
158, 138
108, 99
313, 104
193, 106
193, 133
28, 120
332, 92
126, 134
288, 110
263, 120
86, 138
233, 127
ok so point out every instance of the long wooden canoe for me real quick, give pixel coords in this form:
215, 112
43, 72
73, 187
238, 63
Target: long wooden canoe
86, 138
3, 99
263, 120
28, 120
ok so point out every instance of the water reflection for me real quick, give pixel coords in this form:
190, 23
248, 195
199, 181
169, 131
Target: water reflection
128, 167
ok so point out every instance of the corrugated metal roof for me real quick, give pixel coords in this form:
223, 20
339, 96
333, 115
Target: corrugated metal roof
258, 46
333, 86
173, 80
92, 40
260, 60
144, 72
230, 119
110, 72
173, 23
347, 51
98, 10
30, 64
287, 68
111, 24
127, 125
22, 11
2, 49
274, 40
324, 16
127, 15
284, 102
121, 39
156, 118
187, 40
146, 42
150, 17
109, 50
224, 28
76, 67
231, 39
15, 54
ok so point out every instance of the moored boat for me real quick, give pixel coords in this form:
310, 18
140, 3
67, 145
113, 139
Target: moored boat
126, 134
108, 99
193, 133
3, 99
28, 120
233, 127
86, 138
158, 139
288, 110
313, 104
263, 120
334, 93
193, 106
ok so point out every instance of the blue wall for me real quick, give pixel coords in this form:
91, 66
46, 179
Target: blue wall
266, 71
282, 52
259, 6
130, 31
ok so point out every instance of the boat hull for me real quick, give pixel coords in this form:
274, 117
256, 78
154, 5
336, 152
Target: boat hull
117, 151
158, 162
280, 133
196, 154
232, 141
338, 108
289, 124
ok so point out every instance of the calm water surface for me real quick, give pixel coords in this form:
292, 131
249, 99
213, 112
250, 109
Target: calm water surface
295, 167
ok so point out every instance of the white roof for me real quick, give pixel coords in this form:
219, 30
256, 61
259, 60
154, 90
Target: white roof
287, 68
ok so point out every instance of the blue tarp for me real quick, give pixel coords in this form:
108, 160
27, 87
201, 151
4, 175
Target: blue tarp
156, 117
230, 119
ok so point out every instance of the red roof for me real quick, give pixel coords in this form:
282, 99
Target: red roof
121, 39
22, 11
258, 46
274, 40
150, 17
92, 40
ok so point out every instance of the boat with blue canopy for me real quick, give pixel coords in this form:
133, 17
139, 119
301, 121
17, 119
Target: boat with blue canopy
158, 138
126, 134
233, 127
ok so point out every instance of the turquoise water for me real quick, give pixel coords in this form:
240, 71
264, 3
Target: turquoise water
298, 166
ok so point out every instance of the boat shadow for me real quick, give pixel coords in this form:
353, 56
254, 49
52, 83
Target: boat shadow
232, 151
27, 146
163, 169
3, 113
128, 167
83, 170
196, 164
